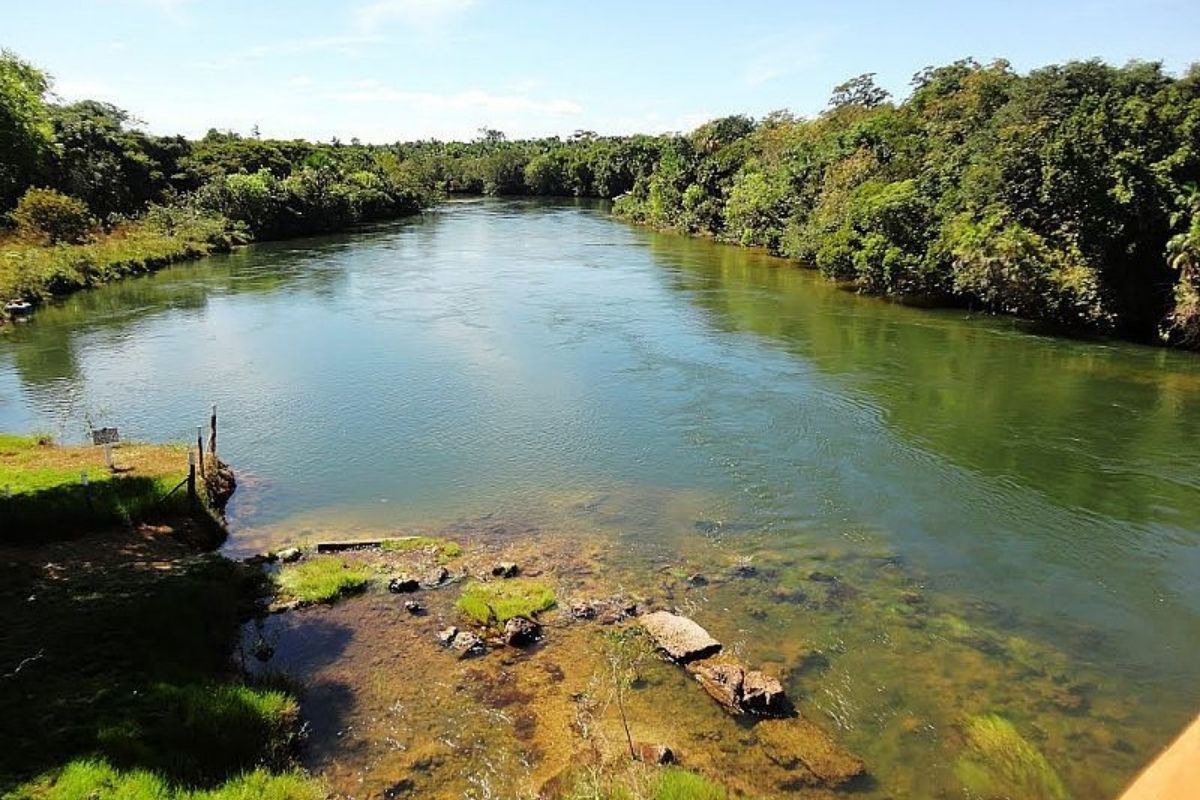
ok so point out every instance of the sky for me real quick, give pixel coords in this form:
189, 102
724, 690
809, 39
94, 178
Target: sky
392, 70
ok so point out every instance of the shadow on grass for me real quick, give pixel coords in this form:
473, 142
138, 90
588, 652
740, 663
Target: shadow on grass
67, 510
132, 664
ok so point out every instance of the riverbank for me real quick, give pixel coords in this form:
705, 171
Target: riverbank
119, 624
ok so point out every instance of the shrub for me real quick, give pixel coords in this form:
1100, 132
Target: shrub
53, 217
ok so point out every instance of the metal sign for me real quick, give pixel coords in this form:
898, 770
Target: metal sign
105, 436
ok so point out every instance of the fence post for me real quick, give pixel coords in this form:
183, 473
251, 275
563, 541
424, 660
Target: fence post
191, 479
212, 437
200, 447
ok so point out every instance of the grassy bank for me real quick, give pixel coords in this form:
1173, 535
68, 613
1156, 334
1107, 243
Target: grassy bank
116, 676
38, 272
42, 494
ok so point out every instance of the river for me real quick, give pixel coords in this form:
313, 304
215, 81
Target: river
509, 358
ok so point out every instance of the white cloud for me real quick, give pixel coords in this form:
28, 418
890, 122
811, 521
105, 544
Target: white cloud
412, 13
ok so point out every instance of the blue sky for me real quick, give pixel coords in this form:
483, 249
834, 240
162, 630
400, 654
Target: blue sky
387, 70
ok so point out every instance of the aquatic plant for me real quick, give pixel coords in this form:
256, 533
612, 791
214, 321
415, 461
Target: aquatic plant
97, 779
321, 580
1000, 763
496, 602
405, 544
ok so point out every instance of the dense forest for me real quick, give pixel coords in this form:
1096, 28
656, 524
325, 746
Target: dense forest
1066, 195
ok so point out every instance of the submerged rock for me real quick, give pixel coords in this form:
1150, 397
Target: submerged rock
403, 584
583, 610
807, 753
744, 569
506, 569
606, 612
679, 637
654, 753
521, 632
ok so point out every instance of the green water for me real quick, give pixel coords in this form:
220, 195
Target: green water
500, 358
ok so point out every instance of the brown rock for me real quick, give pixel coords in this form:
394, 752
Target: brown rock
722, 680
521, 632
681, 638
762, 694
654, 753
806, 752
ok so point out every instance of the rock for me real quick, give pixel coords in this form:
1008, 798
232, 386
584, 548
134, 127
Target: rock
697, 580
744, 569
740, 690
521, 632
583, 610
654, 753
468, 645
400, 788
722, 680
681, 638
807, 753
403, 584
762, 694
289, 554
465, 643
505, 569
413, 607
435, 577
822, 577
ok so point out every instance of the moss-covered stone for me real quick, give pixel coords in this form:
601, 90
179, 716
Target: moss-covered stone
1001, 763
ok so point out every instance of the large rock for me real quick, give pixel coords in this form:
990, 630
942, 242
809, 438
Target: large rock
740, 690
763, 694
679, 637
521, 632
806, 753
722, 680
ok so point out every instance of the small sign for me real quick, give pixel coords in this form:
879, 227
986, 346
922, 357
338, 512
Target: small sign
105, 436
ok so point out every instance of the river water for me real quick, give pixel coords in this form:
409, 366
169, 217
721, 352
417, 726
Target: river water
703, 403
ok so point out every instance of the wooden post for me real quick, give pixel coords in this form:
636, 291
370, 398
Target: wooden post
191, 480
212, 437
200, 447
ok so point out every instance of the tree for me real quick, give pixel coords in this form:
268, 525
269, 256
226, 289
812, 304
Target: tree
860, 91
25, 132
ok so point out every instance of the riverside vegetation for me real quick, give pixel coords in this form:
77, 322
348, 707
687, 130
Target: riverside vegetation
1066, 196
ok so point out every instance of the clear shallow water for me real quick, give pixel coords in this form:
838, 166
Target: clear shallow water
493, 358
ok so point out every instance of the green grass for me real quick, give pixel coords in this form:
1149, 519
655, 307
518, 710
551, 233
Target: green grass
41, 490
999, 762
322, 579
678, 784
96, 779
496, 602
405, 544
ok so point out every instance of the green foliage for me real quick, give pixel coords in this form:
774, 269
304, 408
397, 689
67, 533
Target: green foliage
496, 602
51, 217
96, 779
321, 579
1000, 763
25, 132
